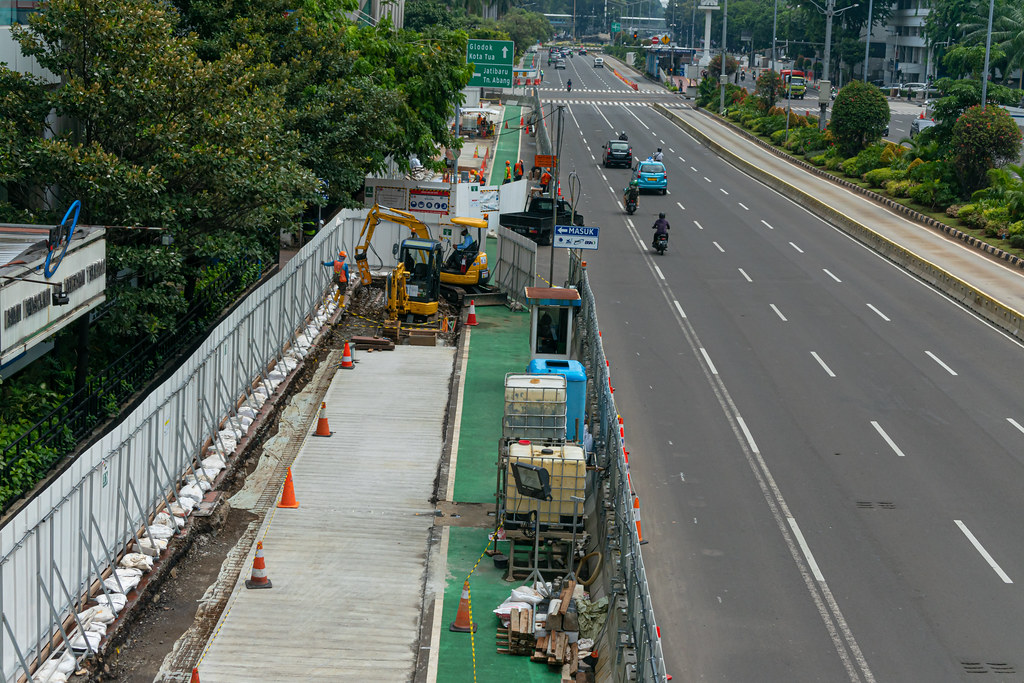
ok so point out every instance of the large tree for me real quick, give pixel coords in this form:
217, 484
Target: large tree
859, 116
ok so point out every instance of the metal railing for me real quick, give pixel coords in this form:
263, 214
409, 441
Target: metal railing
632, 629
515, 264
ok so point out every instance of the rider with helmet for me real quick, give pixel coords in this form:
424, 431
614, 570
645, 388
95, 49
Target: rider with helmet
568, 85
660, 226
632, 192
658, 156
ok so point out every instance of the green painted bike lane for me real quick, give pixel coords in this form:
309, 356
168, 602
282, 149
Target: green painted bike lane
498, 345
507, 148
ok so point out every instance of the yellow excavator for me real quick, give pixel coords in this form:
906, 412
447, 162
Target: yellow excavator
414, 285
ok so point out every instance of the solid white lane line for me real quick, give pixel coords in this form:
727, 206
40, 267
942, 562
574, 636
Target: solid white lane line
829, 273
892, 444
680, 309
984, 553
638, 119
744, 274
768, 225
699, 226
880, 314
1015, 424
707, 359
707, 179
746, 434
723, 190
743, 205
719, 246
822, 364
796, 247
811, 563
779, 313
658, 271
681, 207
944, 366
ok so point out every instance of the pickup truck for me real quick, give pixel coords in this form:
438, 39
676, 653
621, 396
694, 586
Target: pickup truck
535, 222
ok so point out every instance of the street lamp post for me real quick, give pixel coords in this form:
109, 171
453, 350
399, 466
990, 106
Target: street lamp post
867, 41
988, 48
775, 26
725, 22
829, 11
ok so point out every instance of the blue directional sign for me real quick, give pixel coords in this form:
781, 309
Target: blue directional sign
575, 237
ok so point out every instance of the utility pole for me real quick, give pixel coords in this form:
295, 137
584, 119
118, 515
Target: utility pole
988, 48
775, 26
725, 22
554, 193
867, 46
829, 12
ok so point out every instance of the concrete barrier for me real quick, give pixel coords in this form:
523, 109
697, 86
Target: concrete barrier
971, 297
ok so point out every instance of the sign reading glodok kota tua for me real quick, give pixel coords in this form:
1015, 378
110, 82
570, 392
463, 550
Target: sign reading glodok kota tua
492, 62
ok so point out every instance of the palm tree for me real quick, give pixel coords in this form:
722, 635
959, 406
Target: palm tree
1006, 188
1007, 33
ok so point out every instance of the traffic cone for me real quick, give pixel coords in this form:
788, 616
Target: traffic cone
471, 318
476, 152
521, 121
506, 125
288, 494
322, 428
921, 116
559, 189
195, 675
346, 358
463, 619
636, 515
259, 571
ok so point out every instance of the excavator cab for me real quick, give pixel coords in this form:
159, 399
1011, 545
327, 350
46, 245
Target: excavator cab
469, 267
421, 260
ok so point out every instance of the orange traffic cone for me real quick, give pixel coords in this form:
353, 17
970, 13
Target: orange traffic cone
521, 121
322, 428
559, 189
288, 494
259, 571
506, 125
346, 358
195, 675
471, 318
921, 116
464, 618
636, 515
476, 152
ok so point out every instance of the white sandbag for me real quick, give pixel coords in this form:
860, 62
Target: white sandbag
159, 531
505, 608
245, 421
201, 482
215, 463
55, 677
149, 546
88, 641
56, 669
168, 520
245, 412
126, 580
288, 364
274, 383
526, 594
276, 375
97, 627
190, 490
137, 561
115, 603
182, 507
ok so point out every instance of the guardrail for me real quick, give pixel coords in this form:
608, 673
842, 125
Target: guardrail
631, 631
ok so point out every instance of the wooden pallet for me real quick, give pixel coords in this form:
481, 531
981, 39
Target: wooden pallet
518, 638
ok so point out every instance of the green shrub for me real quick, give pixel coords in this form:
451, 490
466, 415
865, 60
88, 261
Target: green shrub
806, 139
933, 194
953, 210
859, 115
971, 216
769, 124
1017, 241
878, 177
900, 188
833, 163
983, 139
817, 158
867, 160
1015, 228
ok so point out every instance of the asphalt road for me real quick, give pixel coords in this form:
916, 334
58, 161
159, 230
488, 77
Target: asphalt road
828, 452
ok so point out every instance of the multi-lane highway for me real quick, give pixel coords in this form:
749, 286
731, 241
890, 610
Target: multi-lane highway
828, 452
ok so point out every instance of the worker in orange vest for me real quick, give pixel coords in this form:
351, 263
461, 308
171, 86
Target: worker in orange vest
545, 180
340, 276
517, 170
508, 172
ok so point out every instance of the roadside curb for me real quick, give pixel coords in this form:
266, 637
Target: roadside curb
971, 297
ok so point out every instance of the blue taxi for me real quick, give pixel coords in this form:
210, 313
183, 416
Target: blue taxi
652, 176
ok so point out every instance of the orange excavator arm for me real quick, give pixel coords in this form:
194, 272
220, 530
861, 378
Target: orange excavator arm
373, 218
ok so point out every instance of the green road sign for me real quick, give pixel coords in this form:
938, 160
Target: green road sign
616, 27
492, 62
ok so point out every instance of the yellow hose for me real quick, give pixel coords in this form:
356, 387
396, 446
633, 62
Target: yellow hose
600, 561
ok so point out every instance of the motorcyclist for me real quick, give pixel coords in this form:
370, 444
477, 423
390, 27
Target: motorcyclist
623, 136
632, 193
658, 156
568, 85
660, 226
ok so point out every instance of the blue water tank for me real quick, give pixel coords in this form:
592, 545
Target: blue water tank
576, 390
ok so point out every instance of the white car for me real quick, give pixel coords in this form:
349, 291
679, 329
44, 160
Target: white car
598, 62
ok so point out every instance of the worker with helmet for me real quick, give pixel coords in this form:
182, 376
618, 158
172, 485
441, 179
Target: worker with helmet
340, 267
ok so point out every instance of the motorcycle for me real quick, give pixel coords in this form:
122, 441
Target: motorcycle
661, 242
568, 86
630, 206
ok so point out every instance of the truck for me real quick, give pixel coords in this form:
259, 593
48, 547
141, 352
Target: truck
536, 223
793, 83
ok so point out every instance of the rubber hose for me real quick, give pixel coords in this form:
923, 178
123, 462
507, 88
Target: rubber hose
600, 561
